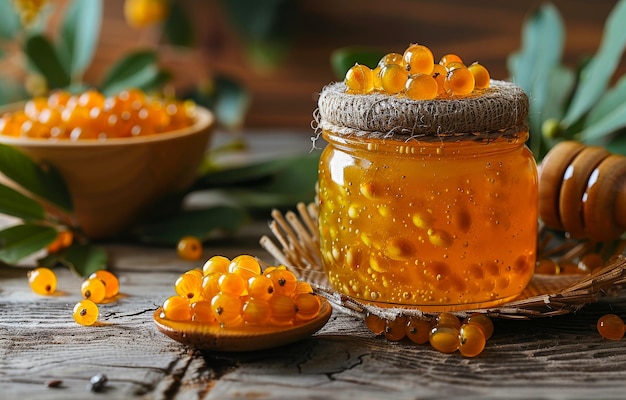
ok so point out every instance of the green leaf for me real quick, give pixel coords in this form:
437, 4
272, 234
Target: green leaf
20, 241
227, 98
178, 28
595, 77
199, 223
604, 117
243, 174
41, 180
9, 20
609, 124
84, 259
18, 205
617, 145
79, 34
341, 60
533, 66
44, 58
133, 71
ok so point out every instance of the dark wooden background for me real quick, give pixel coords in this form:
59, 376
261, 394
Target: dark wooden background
285, 97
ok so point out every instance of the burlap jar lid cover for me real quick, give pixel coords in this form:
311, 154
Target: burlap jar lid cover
500, 110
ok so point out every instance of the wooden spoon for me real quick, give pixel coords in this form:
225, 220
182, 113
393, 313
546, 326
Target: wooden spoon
215, 338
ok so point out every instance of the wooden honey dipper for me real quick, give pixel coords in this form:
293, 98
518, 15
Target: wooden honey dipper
582, 191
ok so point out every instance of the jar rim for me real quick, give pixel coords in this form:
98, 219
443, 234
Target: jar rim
500, 110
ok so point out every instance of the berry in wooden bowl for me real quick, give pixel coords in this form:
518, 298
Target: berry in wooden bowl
117, 155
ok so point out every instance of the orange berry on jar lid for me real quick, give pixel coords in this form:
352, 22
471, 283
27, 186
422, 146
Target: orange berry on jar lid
391, 58
439, 74
611, 326
459, 82
359, 79
448, 58
189, 248
393, 78
421, 87
418, 59
482, 78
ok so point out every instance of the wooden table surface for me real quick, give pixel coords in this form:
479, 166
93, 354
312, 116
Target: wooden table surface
551, 358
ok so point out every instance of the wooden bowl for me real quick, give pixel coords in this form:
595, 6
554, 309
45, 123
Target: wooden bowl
112, 181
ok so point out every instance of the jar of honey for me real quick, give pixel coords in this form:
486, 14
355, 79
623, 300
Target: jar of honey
430, 204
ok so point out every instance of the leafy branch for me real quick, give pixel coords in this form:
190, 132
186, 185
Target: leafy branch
567, 104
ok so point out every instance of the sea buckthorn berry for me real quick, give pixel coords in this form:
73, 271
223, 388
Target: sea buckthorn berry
439, 74
284, 281
111, 283
611, 326
454, 65
226, 308
547, 266
359, 79
93, 289
569, 268
395, 329
189, 248
418, 330
189, 286
232, 284
245, 265
393, 78
377, 85
211, 285
448, 58
202, 312
448, 319
177, 308
459, 82
471, 340
483, 321
63, 240
196, 272
85, 312
590, 261
42, 280
256, 311
303, 287
283, 309
444, 339
391, 58
216, 264
421, 87
375, 323
308, 306
418, 59
482, 78
260, 287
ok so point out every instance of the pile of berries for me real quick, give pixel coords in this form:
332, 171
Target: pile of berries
587, 264
99, 287
91, 115
445, 333
237, 293
415, 75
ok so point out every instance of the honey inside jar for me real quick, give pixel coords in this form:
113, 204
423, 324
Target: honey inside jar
429, 204
427, 223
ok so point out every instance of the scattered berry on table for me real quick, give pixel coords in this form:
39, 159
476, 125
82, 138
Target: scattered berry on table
42, 280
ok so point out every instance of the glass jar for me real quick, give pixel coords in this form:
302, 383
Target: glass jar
439, 224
